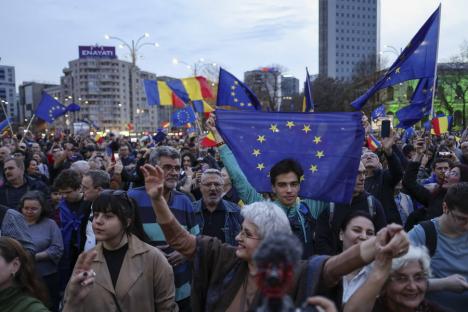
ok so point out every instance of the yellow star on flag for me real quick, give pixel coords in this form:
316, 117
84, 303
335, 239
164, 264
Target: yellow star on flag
233, 87
320, 154
317, 139
274, 128
290, 124
242, 104
306, 128
233, 93
261, 138
235, 100
302, 178
249, 104
313, 168
260, 166
397, 70
256, 152
235, 82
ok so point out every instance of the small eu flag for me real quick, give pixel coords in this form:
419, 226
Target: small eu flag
49, 108
378, 112
327, 145
183, 116
232, 92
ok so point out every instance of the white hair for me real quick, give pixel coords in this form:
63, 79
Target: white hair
80, 166
268, 217
415, 253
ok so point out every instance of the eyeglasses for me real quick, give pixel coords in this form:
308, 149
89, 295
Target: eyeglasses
214, 184
459, 219
245, 234
168, 168
405, 279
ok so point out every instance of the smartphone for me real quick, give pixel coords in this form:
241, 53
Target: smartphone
385, 129
116, 156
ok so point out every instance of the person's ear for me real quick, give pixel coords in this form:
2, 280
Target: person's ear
445, 208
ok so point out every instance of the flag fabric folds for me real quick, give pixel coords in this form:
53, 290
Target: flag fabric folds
183, 116
208, 141
441, 125
232, 92
49, 108
201, 106
420, 104
372, 143
191, 89
159, 93
307, 103
418, 59
327, 145
378, 112
73, 107
4, 124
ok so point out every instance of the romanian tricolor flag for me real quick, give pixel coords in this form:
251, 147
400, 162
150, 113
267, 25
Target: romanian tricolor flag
201, 106
372, 143
159, 93
440, 125
208, 141
191, 89
165, 124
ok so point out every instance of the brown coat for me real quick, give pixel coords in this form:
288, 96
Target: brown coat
145, 282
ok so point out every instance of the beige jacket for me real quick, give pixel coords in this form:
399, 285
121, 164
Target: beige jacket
145, 283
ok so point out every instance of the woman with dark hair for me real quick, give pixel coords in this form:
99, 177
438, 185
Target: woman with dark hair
47, 238
32, 170
126, 273
20, 290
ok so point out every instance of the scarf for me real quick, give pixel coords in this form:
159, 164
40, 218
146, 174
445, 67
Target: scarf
12, 299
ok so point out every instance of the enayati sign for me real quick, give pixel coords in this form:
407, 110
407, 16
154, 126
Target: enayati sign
96, 52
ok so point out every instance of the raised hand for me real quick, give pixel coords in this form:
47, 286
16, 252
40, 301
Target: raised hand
154, 180
392, 239
82, 277
388, 142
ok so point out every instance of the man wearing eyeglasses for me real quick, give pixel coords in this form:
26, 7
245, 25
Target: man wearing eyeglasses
447, 241
217, 217
169, 160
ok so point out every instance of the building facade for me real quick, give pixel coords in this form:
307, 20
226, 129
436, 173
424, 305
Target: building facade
349, 37
266, 84
289, 93
110, 92
8, 93
30, 94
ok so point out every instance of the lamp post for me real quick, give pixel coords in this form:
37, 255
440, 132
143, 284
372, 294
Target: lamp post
134, 47
6, 115
201, 66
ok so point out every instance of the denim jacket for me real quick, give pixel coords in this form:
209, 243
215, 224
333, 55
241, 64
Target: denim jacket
232, 219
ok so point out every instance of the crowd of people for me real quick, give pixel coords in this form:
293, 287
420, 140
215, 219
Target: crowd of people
168, 225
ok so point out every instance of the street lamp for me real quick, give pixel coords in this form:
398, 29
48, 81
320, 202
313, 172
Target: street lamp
200, 66
134, 46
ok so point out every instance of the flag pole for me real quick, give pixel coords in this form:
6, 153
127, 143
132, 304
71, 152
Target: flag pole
435, 67
8, 119
27, 128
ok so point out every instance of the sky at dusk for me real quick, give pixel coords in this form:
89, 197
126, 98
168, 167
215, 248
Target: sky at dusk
40, 37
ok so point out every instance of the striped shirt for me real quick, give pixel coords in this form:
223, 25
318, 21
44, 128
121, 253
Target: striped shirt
181, 207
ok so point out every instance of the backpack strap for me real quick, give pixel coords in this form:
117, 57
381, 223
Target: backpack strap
3, 210
370, 204
431, 236
331, 214
314, 272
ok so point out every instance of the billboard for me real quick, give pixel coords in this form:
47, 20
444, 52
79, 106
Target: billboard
96, 52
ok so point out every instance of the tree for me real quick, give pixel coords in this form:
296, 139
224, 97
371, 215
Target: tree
453, 81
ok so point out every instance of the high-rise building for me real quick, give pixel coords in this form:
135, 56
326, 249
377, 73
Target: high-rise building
110, 91
289, 93
8, 93
349, 37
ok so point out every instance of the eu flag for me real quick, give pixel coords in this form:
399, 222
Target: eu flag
232, 92
73, 107
418, 59
420, 104
307, 104
49, 108
378, 112
327, 145
183, 116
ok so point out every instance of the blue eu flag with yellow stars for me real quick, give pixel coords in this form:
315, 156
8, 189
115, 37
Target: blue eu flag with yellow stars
327, 145
418, 59
419, 106
232, 92
49, 108
183, 116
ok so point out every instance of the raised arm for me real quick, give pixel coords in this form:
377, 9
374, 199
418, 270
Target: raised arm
177, 237
245, 190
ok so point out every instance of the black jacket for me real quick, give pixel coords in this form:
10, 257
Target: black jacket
10, 196
382, 185
327, 231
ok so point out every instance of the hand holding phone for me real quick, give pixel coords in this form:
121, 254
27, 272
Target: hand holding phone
385, 129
